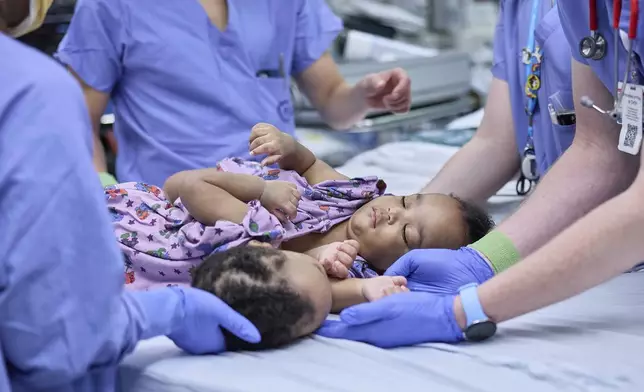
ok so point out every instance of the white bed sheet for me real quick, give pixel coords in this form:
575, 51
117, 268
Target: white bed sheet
594, 342
407, 166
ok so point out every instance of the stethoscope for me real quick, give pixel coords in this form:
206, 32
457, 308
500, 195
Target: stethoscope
594, 46
591, 48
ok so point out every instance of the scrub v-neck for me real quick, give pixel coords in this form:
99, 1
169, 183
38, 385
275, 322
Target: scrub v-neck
227, 31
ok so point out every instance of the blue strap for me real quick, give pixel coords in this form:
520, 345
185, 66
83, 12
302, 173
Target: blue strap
471, 304
532, 68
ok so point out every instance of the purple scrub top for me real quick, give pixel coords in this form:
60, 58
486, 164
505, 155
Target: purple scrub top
550, 140
185, 93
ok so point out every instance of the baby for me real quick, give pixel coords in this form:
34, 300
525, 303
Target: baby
346, 226
286, 295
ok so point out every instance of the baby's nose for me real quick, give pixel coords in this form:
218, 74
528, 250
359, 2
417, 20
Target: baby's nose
394, 214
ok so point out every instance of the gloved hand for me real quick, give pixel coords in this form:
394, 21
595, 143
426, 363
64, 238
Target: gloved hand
398, 320
197, 329
441, 271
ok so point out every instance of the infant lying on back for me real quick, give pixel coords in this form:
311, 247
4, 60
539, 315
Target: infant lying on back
305, 221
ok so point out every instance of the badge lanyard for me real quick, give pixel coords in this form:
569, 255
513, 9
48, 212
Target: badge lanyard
531, 56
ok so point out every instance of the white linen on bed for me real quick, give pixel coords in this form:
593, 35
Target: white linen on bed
594, 342
407, 166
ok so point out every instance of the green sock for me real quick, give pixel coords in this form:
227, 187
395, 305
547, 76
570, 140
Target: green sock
498, 249
107, 179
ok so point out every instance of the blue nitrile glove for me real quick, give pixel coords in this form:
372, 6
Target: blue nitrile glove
198, 331
398, 320
192, 319
441, 271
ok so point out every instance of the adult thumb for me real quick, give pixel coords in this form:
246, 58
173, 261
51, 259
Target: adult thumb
404, 266
366, 313
237, 324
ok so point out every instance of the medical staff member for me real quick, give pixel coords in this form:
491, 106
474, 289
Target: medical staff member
529, 47
189, 79
65, 320
581, 227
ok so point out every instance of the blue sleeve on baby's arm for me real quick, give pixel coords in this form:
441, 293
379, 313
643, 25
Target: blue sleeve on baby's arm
361, 270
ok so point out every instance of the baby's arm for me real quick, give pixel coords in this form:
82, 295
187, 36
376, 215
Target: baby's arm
210, 195
267, 139
349, 292
308, 166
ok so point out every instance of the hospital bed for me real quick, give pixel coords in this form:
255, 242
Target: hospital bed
591, 343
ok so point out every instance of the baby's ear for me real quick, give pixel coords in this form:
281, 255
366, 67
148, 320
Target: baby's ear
259, 244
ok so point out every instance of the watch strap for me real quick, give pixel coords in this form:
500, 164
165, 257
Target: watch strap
471, 304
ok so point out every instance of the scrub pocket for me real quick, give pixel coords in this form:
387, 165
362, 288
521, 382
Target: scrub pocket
276, 99
563, 136
562, 101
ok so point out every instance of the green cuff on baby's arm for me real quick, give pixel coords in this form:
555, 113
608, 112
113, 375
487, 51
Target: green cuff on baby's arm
498, 249
107, 179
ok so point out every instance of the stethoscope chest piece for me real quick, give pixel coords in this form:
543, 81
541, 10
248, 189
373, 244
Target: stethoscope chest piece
529, 165
593, 46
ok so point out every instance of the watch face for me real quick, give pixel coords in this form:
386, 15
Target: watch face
480, 331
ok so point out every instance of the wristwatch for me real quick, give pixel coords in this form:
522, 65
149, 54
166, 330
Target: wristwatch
478, 325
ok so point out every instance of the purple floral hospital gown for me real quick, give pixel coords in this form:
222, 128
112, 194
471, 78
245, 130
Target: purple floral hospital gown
161, 242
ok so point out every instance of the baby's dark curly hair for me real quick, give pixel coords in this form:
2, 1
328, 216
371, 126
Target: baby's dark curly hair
478, 222
247, 279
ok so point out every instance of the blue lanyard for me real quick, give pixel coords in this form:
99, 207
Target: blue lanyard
533, 72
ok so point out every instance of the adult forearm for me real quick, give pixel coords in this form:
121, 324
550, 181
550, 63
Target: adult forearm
579, 182
465, 176
344, 107
99, 160
138, 316
596, 248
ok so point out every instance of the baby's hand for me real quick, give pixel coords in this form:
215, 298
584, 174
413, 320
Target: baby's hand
382, 286
337, 258
265, 139
281, 199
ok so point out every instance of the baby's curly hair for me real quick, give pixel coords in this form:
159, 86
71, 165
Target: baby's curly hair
247, 279
478, 222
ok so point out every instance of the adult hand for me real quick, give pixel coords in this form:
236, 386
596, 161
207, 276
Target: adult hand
198, 330
389, 90
281, 199
441, 271
265, 139
398, 320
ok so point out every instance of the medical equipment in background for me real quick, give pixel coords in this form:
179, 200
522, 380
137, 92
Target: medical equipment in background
47, 37
618, 94
446, 19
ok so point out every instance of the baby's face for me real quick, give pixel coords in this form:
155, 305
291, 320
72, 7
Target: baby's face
390, 226
307, 277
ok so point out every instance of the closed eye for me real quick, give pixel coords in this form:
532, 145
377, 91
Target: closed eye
404, 235
404, 229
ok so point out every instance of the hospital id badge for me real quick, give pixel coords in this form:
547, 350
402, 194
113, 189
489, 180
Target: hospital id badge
630, 137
